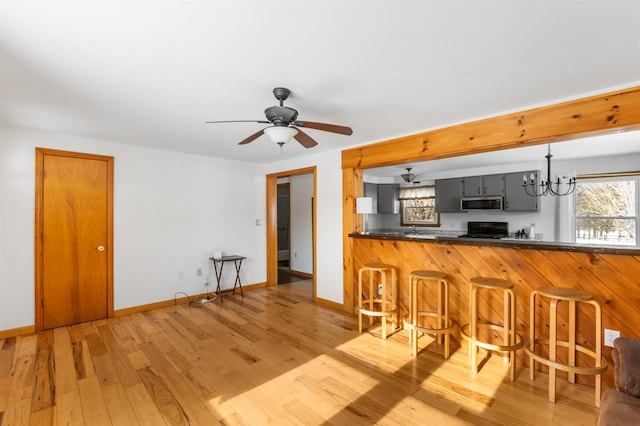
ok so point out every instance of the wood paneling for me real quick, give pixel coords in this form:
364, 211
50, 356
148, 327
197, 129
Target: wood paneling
612, 279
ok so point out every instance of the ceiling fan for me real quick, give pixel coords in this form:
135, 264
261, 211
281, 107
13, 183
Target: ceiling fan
284, 124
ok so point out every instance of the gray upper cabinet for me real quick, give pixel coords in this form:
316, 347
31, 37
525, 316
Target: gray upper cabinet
448, 192
371, 190
483, 186
515, 199
472, 186
388, 198
493, 185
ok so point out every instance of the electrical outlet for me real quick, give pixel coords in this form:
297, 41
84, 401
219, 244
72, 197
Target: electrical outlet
181, 274
379, 288
610, 336
199, 272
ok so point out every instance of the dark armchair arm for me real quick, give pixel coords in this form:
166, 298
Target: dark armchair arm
626, 357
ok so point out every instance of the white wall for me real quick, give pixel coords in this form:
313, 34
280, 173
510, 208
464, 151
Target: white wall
171, 212
328, 221
301, 224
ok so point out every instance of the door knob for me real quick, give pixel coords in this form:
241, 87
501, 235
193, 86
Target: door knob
100, 248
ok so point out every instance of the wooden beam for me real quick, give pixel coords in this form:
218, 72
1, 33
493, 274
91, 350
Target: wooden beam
598, 114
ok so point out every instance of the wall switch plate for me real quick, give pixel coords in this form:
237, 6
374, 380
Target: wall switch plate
199, 272
610, 336
379, 288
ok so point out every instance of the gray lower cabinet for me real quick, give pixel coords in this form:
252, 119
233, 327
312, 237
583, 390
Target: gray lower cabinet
515, 198
448, 193
388, 198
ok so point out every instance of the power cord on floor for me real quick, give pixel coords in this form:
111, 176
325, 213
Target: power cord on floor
198, 301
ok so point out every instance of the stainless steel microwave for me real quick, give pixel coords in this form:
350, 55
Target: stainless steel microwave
481, 203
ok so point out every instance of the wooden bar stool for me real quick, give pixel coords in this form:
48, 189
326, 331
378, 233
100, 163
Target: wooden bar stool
444, 324
386, 303
572, 296
512, 341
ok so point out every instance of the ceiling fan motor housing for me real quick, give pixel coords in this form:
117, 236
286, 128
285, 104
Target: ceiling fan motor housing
281, 115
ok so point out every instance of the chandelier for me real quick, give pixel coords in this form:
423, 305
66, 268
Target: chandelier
408, 177
547, 187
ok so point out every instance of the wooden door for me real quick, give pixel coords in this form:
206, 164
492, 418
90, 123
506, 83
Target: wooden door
74, 194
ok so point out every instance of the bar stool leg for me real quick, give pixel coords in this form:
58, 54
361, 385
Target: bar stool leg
395, 322
512, 334
598, 350
506, 314
446, 318
473, 350
414, 315
383, 280
532, 334
571, 376
553, 342
360, 300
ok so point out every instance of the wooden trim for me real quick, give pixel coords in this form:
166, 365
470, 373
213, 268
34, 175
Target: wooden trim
15, 332
179, 301
39, 168
600, 114
272, 223
329, 304
272, 230
352, 187
300, 274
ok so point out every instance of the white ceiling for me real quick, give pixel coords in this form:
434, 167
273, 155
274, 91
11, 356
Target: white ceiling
152, 72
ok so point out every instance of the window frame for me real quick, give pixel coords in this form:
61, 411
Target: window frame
631, 176
404, 221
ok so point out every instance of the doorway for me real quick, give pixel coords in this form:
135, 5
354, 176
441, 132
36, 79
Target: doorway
283, 226
296, 255
74, 238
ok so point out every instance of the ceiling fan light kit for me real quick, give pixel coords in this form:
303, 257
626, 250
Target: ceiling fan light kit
285, 126
280, 134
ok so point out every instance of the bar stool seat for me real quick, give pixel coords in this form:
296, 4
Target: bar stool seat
444, 325
572, 296
512, 341
386, 305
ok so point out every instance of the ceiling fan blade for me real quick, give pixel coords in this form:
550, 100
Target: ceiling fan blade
304, 139
251, 138
238, 121
326, 127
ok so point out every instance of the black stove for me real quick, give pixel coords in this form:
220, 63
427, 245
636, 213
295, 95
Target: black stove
489, 230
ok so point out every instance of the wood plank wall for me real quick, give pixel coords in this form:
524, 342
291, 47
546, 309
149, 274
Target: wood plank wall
612, 279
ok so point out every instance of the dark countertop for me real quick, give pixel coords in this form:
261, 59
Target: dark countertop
506, 243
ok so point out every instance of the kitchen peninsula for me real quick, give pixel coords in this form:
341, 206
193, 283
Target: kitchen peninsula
610, 274
605, 272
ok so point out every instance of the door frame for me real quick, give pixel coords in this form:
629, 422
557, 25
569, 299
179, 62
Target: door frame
38, 234
272, 224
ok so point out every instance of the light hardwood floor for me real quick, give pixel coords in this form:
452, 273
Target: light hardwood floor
272, 358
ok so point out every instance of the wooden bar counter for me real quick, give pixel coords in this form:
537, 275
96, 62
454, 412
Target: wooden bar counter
611, 274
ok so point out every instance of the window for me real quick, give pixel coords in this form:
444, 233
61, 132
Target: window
418, 206
607, 211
